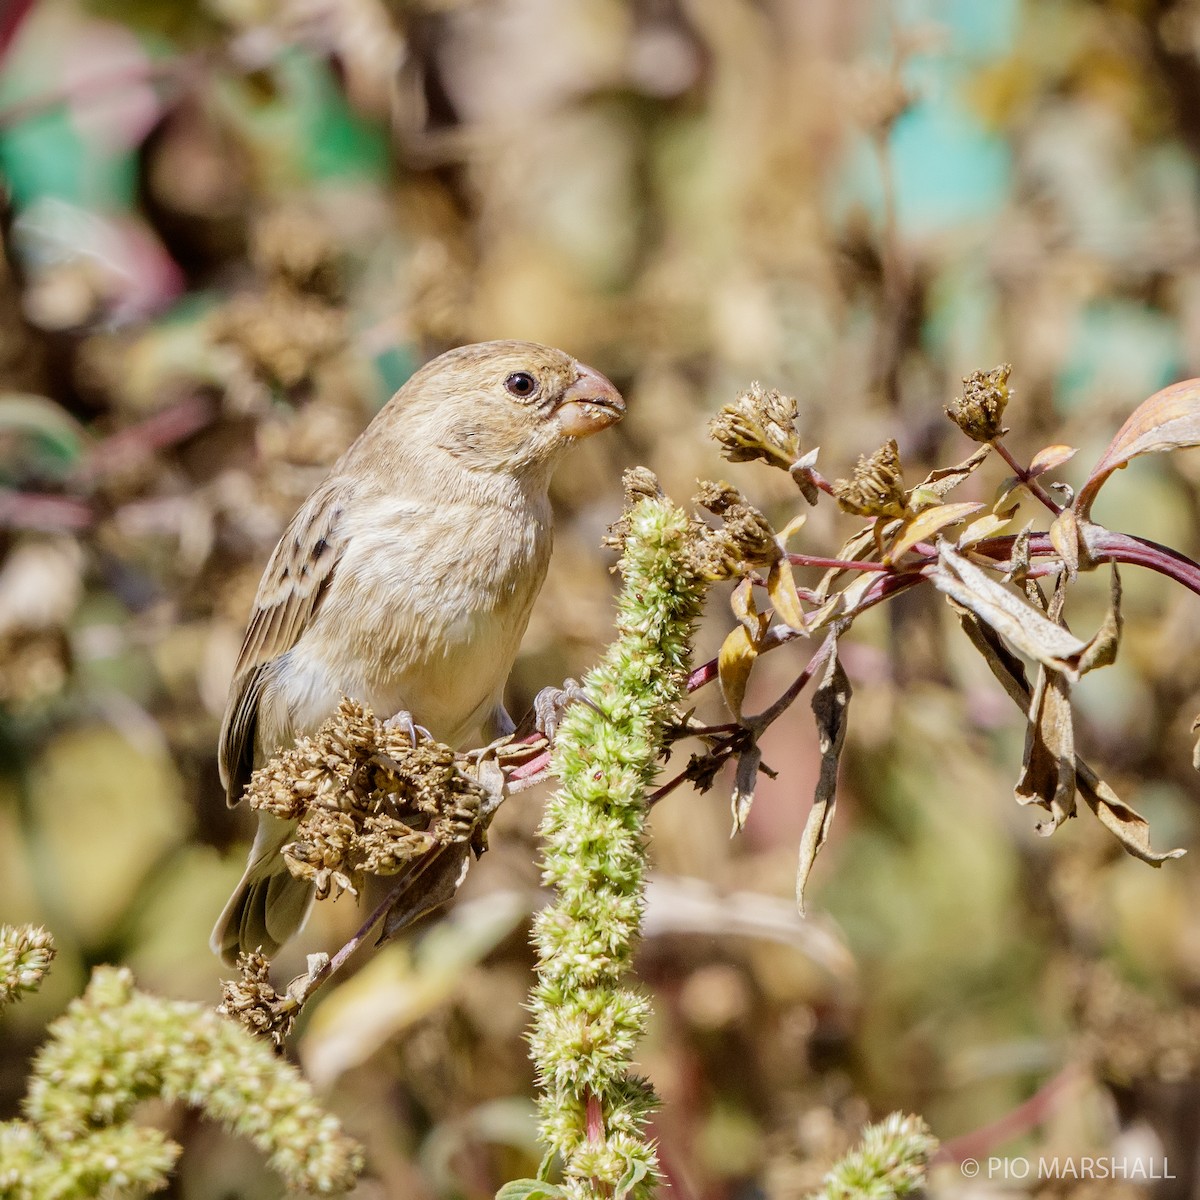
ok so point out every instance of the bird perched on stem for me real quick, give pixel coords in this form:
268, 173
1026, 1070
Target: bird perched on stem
405, 581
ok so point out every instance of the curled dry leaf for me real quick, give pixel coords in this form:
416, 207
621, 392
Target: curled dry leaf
1049, 458
1102, 649
740, 648
1130, 828
1066, 537
1018, 622
781, 587
744, 782
926, 524
830, 704
1048, 770
1169, 420
1126, 823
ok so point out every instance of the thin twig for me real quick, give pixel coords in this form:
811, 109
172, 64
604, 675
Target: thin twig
1028, 480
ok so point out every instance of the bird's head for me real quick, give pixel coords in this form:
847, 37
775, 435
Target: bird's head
506, 406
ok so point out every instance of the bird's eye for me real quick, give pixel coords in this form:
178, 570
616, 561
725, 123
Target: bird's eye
521, 384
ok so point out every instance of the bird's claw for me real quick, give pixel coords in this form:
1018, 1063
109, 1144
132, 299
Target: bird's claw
551, 702
403, 720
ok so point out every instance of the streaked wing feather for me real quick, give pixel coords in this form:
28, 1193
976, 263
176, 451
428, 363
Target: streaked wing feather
292, 587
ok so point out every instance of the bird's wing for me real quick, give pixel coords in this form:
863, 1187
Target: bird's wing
292, 587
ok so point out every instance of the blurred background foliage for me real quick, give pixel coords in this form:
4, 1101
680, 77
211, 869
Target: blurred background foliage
232, 228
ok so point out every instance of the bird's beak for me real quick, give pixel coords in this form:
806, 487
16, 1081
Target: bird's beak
590, 404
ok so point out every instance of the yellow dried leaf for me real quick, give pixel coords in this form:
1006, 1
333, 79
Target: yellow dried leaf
985, 527
734, 664
927, 524
781, 587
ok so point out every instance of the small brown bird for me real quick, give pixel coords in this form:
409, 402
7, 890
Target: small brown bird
405, 581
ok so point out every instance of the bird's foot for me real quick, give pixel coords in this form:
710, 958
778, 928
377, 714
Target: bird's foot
551, 702
403, 720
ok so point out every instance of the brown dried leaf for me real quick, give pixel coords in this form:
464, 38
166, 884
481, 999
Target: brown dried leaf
1017, 621
1168, 420
830, 703
1131, 829
1102, 649
1128, 825
1048, 772
1066, 539
926, 524
432, 883
945, 479
781, 587
742, 799
1050, 457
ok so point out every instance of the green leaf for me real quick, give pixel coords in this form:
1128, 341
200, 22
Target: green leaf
47, 439
638, 1171
531, 1189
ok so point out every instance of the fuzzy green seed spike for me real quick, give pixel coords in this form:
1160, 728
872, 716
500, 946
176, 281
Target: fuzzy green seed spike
116, 1047
586, 1025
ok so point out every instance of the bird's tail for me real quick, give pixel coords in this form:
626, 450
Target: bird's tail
270, 904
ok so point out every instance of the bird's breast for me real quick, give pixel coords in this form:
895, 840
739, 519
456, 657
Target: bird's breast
427, 608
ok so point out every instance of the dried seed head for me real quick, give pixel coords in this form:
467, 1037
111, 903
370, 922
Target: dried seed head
744, 541
758, 424
979, 411
26, 952
364, 799
877, 487
253, 1002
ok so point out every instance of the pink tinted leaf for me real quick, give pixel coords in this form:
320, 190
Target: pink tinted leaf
1049, 458
1169, 420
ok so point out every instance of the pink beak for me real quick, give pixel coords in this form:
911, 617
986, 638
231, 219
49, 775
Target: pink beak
590, 404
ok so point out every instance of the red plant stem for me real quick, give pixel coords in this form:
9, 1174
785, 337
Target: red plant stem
1022, 473
595, 1118
1106, 546
143, 440
1021, 1120
837, 564
44, 513
335, 964
11, 17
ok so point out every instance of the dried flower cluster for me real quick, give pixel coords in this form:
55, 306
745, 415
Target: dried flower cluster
254, 1002
759, 424
745, 539
876, 488
979, 411
26, 952
365, 799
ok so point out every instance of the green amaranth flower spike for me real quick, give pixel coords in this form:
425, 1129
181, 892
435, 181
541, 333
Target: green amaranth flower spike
117, 1047
889, 1163
586, 1025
